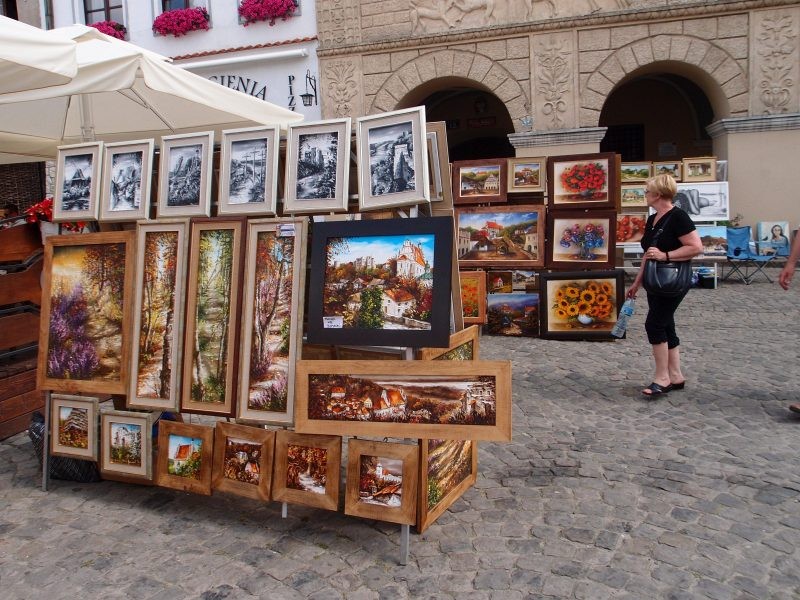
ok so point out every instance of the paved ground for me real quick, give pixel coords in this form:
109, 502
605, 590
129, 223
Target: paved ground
602, 494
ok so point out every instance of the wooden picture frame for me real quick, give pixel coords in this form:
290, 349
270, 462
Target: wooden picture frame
380, 138
473, 296
632, 196
319, 458
582, 181
447, 469
184, 175
248, 171
160, 295
126, 445
635, 172
699, 169
439, 162
73, 426
501, 237
669, 167
243, 460
480, 181
209, 377
463, 346
127, 174
79, 169
527, 174
383, 398
88, 280
513, 314
370, 273
591, 245
499, 282
630, 229
315, 152
272, 319
185, 457
377, 473
570, 313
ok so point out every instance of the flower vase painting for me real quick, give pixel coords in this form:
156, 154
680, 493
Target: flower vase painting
630, 228
587, 181
580, 305
578, 240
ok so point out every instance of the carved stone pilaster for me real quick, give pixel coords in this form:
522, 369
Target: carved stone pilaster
776, 62
342, 88
553, 81
339, 23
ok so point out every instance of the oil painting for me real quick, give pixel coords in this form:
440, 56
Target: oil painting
674, 168
185, 454
473, 296
714, 239
581, 239
527, 174
307, 469
478, 181
77, 187
73, 426
582, 181
126, 445
635, 172
580, 305
448, 468
501, 237
463, 346
248, 179
515, 314
702, 168
630, 228
243, 460
633, 196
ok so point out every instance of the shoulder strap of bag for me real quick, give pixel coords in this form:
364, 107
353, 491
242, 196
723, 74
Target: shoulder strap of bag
662, 224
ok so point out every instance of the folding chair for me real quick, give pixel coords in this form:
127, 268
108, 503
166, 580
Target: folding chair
743, 260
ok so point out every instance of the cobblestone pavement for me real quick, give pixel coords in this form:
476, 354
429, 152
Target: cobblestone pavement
602, 494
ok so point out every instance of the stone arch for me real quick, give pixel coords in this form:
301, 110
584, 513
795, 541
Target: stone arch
409, 84
712, 68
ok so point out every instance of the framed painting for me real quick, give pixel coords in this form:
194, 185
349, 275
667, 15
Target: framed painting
630, 228
635, 172
473, 296
479, 181
439, 164
581, 305
499, 282
272, 319
78, 176
501, 236
412, 399
158, 315
307, 469
382, 481
447, 469
185, 457
317, 166
527, 174
392, 159
126, 445
704, 201
515, 314
525, 281
582, 181
73, 426
703, 168
463, 346
674, 168
214, 283
243, 460
772, 237
84, 333
632, 196
184, 175
381, 283
248, 171
714, 239
127, 172
581, 239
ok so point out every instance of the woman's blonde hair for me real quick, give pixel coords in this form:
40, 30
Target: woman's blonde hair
663, 185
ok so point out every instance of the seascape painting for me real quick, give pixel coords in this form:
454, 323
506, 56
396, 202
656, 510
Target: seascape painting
391, 158
241, 461
515, 314
76, 184
449, 463
248, 171
184, 175
380, 481
306, 468
73, 427
500, 237
125, 185
317, 160
125, 444
184, 456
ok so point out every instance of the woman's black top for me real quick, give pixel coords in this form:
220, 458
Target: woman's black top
679, 224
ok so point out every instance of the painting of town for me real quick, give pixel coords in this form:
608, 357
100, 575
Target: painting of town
580, 305
380, 481
185, 457
501, 236
585, 181
476, 181
242, 462
448, 469
125, 443
526, 174
515, 314
307, 468
499, 282
73, 427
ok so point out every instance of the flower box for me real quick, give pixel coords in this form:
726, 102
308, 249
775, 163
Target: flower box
253, 11
112, 28
181, 21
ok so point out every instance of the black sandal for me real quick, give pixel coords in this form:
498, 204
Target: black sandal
678, 386
656, 390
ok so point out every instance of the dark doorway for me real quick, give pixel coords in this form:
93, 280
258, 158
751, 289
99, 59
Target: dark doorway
9, 9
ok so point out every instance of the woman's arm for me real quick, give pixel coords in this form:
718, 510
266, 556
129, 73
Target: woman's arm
692, 246
637, 283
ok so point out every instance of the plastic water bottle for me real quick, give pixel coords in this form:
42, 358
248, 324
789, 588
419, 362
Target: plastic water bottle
625, 313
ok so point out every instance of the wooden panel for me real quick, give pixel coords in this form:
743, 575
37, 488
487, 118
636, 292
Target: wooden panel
19, 330
18, 243
21, 404
23, 286
17, 384
14, 426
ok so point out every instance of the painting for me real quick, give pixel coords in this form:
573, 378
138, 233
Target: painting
184, 177
772, 237
248, 173
84, 331
317, 166
243, 460
635, 172
185, 456
501, 236
381, 283
272, 321
582, 181
527, 174
704, 201
447, 469
514, 314
127, 171
703, 168
307, 469
499, 282
212, 316
411, 399
674, 168
581, 239
463, 346
525, 281
78, 177
630, 228
439, 164
473, 296
714, 239
126, 446
581, 305
632, 196
158, 315
73, 426
479, 181
392, 159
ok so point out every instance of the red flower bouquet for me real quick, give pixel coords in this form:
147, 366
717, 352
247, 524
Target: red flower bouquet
584, 178
112, 28
181, 21
43, 212
252, 11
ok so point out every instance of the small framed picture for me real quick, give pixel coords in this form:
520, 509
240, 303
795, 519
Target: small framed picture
633, 196
307, 469
772, 237
703, 168
185, 456
243, 460
78, 176
439, 165
499, 282
581, 239
630, 228
126, 443
527, 174
463, 346
635, 172
674, 168
514, 314
127, 171
73, 426
382, 481
479, 181
448, 468
184, 175
582, 181
473, 296
248, 173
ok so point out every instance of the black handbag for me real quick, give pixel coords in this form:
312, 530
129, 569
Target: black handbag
670, 278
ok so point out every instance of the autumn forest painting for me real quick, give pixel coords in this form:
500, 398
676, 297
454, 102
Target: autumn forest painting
449, 463
306, 468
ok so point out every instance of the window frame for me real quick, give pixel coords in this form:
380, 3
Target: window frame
106, 10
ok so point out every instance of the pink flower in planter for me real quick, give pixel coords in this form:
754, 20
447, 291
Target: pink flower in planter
266, 10
181, 21
112, 28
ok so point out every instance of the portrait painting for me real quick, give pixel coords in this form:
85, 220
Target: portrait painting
248, 179
78, 178
73, 426
772, 237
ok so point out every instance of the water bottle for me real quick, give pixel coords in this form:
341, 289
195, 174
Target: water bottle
625, 314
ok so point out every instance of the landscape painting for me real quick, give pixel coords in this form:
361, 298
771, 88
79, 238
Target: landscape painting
78, 175
74, 426
582, 181
248, 180
515, 314
185, 454
126, 443
674, 168
184, 166
580, 305
307, 469
476, 181
633, 196
185, 175
501, 237
86, 300
635, 172
127, 169
526, 174
714, 239
473, 296
447, 469
243, 460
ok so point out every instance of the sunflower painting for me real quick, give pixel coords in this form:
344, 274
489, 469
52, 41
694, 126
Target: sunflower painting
580, 305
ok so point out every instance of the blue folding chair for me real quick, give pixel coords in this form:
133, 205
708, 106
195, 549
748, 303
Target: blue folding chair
744, 262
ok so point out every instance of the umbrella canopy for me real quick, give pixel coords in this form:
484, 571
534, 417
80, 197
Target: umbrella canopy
30, 58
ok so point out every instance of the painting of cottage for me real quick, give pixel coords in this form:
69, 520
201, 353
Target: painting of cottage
125, 444
306, 468
514, 314
500, 237
481, 180
380, 481
241, 461
184, 456
391, 158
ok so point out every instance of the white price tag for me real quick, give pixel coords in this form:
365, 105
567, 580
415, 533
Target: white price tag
286, 230
332, 322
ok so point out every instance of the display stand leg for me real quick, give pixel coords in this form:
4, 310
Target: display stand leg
284, 510
404, 541
46, 444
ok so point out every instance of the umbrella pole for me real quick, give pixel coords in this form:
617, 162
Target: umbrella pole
87, 122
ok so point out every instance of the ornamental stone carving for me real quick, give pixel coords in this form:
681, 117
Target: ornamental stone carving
553, 77
341, 89
775, 62
338, 22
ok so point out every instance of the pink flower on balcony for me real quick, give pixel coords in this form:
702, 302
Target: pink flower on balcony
112, 28
181, 21
253, 11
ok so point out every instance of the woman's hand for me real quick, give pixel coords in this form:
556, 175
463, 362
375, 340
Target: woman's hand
653, 253
633, 290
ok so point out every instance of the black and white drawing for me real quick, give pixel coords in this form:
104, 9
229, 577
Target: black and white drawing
78, 177
185, 170
391, 159
184, 175
127, 170
125, 185
248, 184
76, 184
317, 157
248, 171
704, 201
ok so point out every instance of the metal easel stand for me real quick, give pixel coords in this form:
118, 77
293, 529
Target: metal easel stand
405, 529
46, 443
